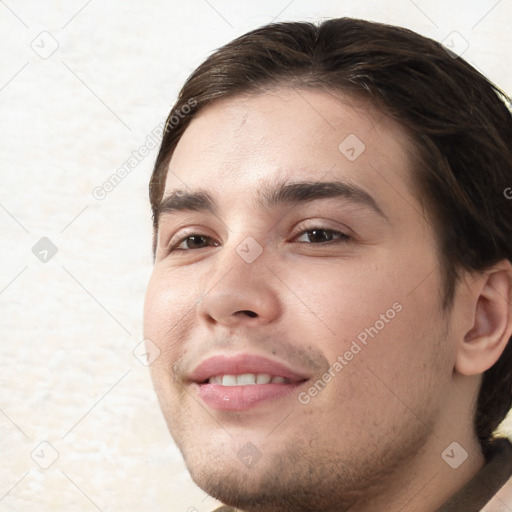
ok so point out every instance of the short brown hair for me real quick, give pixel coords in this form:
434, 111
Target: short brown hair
457, 119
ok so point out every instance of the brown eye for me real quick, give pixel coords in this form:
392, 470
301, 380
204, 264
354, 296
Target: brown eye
320, 236
193, 241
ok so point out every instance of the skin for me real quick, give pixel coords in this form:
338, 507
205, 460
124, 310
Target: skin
372, 438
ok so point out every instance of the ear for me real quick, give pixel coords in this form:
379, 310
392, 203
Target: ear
491, 328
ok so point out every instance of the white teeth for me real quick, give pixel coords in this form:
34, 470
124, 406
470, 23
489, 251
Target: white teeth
263, 378
247, 379
229, 380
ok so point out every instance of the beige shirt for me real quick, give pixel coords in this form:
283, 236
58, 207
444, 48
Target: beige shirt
490, 490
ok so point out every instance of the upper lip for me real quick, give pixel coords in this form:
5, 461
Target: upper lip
240, 364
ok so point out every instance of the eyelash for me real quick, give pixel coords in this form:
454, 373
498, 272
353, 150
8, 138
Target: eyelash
343, 238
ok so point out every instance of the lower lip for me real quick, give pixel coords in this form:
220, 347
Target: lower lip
242, 398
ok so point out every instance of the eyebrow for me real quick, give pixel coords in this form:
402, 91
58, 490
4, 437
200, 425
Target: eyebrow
272, 197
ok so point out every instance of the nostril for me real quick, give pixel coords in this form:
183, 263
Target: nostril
249, 313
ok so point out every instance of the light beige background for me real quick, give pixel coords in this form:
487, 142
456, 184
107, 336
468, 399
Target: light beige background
69, 378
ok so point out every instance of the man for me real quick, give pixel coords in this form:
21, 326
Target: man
331, 290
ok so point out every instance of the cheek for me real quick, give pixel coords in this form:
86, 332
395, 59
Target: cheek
165, 320
154, 307
343, 298
374, 313
167, 316
392, 366
170, 312
167, 298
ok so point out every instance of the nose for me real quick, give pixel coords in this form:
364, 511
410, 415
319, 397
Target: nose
240, 293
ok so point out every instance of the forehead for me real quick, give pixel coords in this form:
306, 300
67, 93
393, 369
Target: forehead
241, 144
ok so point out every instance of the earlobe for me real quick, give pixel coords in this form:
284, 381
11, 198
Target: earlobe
484, 343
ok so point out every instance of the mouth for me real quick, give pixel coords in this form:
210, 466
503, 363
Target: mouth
248, 379
242, 382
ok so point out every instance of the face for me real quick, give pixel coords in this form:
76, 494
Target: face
295, 301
